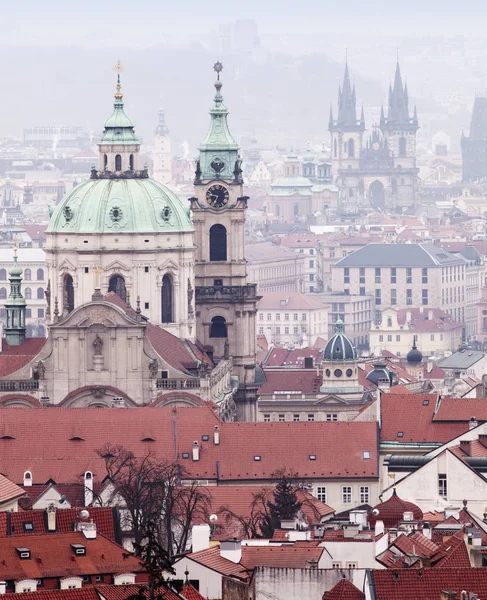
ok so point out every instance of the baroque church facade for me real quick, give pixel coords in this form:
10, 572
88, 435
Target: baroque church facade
148, 300
380, 172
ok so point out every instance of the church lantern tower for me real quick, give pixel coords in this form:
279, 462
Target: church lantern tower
225, 302
15, 305
346, 131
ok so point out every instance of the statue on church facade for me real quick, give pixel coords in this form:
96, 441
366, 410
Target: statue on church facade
98, 345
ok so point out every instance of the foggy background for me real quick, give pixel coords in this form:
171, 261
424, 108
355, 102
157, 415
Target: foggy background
282, 63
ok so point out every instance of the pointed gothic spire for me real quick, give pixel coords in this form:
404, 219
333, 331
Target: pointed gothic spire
347, 114
330, 120
362, 116
398, 105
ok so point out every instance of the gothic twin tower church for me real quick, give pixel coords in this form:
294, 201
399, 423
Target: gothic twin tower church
148, 295
381, 172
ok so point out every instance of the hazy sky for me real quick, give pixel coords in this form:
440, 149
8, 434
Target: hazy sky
125, 23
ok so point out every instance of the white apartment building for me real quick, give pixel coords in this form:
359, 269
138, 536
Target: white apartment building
275, 268
291, 319
306, 245
356, 312
404, 275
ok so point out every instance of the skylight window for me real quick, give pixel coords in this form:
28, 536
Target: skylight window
366, 454
426, 402
312, 456
257, 458
400, 434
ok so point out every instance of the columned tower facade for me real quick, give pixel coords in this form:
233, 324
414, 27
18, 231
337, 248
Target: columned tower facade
225, 302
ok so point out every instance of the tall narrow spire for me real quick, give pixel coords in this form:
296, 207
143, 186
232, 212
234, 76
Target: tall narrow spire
347, 106
15, 306
218, 156
398, 105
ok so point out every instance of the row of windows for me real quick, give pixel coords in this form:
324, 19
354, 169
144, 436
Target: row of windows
27, 293
378, 275
297, 417
287, 330
364, 494
398, 338
409, 296
27, 275
277, 316
449, 274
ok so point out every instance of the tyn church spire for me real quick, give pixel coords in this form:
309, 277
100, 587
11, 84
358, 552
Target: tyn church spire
347, 107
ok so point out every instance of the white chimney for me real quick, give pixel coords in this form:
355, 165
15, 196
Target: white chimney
216, 436
472, 424
379, 527
51, 517
27, 479
200, 537
196, 451
427, 530
88, 488
231, 550
3, 587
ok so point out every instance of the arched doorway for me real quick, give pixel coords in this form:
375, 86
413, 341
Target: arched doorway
218, 242
68, 304
117, 285
167, 310
377, 195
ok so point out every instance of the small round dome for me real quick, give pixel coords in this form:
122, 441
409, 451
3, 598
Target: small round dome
391, 512
379, 373
120, 206
414, 356
339, 347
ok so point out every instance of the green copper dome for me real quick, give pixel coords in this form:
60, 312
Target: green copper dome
138, 205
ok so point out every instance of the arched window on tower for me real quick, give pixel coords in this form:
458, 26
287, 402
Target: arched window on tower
3, 275
167, 310
218, 328
351, 148
218, 242
3, 293
105, 161
118, 162
117, 285
402, 146
40, 274
40, 293
27, 275
68, 293
131, 162
389, 322
27, 293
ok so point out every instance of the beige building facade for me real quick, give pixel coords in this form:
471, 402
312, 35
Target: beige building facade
275, 268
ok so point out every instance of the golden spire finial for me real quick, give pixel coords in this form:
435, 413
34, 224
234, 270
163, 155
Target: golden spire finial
118, 68
15, 249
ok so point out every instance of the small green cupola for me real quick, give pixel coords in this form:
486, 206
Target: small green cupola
119, 147
15, 306
219, 152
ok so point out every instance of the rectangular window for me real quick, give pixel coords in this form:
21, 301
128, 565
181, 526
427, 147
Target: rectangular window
311, 418
351, 565
278, 316
286, 316
295, 330
321, 494
295, 317
409, 275
347, 495
409, 296
282, 418
362, 291
311, 264
364, 494
432, 337
28, 313
381, 338
286, 330
377, 297
362, 275
389, 338
303, 317
267, 418
346, 275
442, 485
311, 277
261, 316
261, 331
295, 418
398, 338
332, 417
278, 331
393, 296
393, 275
424, 275
424, 297
269, 317
336, 565
377, 274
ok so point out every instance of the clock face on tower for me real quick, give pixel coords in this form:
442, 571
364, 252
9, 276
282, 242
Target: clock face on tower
217, 196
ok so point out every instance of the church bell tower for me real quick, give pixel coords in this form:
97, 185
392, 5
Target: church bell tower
225, 302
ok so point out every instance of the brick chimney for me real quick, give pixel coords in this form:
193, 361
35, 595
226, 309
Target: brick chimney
216, 435
465, 446
51, 517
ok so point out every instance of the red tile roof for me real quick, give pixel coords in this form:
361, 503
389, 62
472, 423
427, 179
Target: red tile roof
461, 409
13, 358
415, 544
190, 593
391, 512
283, 357
337, 446
344, 590
52, 556
452, 554
180, 354
109, 592
408, 413
293, 301
212, 559
285, 557
83, 593
9, 490
302, 381
427, 584
122, 592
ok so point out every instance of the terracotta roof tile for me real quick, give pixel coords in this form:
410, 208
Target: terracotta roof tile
461, 409
302, 381
109, 592
344, 590
13, 358
391, 512
293, 301
190, 593
212, 559
9, 490
285, 557
405, 584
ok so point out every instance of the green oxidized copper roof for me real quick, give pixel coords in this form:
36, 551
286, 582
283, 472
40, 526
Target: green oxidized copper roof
119, 129
120, 206
219, 145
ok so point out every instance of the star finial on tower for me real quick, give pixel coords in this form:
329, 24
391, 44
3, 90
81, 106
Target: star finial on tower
218, 68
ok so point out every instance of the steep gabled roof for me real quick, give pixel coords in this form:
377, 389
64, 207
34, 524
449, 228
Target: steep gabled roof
344, 590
